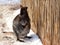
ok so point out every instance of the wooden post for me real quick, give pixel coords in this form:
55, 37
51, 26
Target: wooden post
45, 19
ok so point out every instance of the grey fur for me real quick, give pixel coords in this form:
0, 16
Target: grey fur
21, 24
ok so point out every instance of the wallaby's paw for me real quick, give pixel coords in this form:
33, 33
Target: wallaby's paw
28, 37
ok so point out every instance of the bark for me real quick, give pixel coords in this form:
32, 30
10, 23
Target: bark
45, 15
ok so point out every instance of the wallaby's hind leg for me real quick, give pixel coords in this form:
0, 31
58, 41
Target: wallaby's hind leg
18, 39
16, 33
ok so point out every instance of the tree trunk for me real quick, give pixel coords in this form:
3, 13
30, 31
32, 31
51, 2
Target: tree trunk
45, 15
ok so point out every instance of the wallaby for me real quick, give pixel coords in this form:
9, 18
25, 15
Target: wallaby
21, 24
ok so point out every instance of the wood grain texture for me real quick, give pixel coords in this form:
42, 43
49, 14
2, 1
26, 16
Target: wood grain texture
45, 19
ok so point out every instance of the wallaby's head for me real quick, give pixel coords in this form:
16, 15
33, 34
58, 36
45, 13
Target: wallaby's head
23, 10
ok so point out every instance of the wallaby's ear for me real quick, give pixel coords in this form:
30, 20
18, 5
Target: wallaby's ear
21, 6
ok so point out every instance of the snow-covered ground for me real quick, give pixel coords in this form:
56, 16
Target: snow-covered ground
33, 41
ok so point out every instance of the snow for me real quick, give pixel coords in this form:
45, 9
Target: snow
9, 20
33, 41
16, 12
